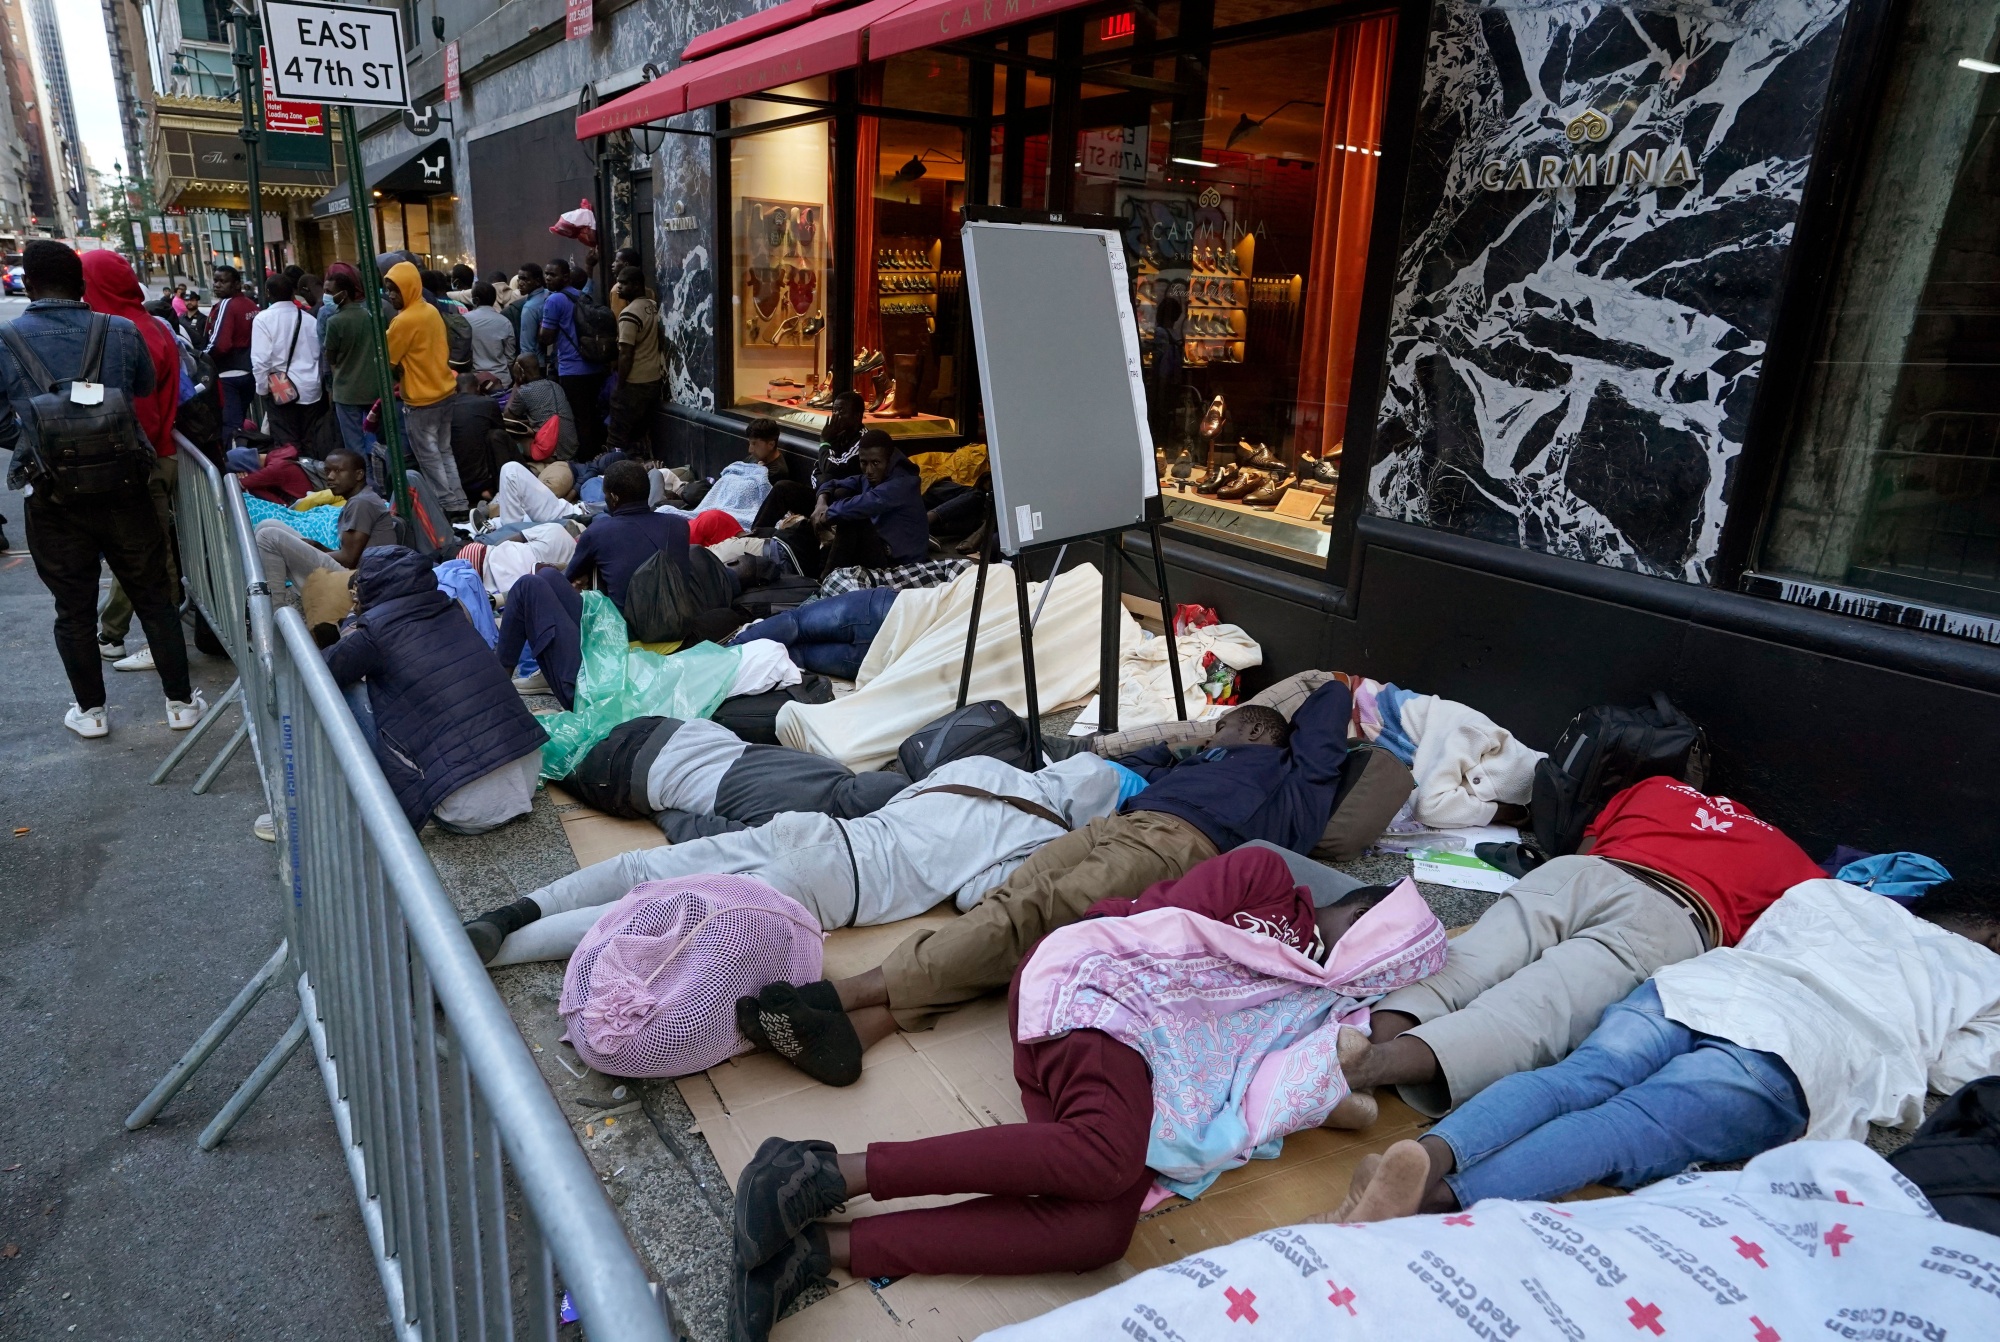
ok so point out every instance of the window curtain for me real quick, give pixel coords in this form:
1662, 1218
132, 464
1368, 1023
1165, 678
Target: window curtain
1357, 92
867, 172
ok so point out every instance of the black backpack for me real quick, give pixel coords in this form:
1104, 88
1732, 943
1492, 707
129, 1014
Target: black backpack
665, 599
458, 341
596, 333
988, 727
81, 450
754, 717
428, 531
1604, 751
1955, 1157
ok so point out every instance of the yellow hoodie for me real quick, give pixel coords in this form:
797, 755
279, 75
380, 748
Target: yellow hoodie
418, 344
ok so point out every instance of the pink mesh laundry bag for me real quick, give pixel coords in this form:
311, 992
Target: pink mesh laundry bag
652, 988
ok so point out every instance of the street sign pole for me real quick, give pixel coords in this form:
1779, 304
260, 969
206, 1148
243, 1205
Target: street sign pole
248, 91
348, 56
371, 285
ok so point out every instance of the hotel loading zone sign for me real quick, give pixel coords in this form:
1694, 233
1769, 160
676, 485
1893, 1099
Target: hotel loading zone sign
349, 54
1673, 166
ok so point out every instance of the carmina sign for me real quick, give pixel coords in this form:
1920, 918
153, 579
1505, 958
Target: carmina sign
1673, 166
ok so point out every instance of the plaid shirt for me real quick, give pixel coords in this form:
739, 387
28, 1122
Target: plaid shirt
903, 577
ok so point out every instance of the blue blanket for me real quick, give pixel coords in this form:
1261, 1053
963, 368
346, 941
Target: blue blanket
321, 525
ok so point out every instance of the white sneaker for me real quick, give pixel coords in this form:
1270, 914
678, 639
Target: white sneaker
534, 684
181, 716
264, 829
110, 649
141, 660
87, 722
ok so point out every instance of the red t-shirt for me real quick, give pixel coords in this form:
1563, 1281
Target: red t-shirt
1713, 845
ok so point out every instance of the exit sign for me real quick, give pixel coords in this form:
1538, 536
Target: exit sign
1114, 26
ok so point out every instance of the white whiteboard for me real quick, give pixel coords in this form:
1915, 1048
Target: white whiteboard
1065, 395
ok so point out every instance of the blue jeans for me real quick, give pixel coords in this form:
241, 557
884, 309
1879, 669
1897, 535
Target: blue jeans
1643, 1097
352, 435
829, 636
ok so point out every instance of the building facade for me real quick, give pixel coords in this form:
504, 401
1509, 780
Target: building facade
1572, 350
24, 158
65, 146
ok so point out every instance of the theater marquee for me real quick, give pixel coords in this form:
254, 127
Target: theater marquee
1669, 167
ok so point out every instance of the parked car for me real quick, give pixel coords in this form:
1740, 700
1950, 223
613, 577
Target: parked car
13, 280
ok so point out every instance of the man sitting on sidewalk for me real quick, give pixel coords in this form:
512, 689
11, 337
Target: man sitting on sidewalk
1260, 777
1837, 1009
1664, 873
365, 521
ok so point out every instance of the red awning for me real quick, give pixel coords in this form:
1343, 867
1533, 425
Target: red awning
803, 38
777, 18
835, 41
928, 23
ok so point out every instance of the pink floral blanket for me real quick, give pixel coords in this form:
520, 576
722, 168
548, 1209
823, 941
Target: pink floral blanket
1238, 1029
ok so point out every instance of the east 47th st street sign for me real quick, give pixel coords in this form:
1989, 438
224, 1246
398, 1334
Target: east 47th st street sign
351, 54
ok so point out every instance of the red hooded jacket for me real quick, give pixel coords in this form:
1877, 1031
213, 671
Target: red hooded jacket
110, 287
1250, 888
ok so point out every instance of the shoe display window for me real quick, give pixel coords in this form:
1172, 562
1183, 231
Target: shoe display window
1246, 214
908, 299
783, 244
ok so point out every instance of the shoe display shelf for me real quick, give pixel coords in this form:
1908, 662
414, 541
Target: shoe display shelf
1216, 291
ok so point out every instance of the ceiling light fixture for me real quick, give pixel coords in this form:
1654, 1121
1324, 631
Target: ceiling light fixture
1196, 162
1979, 67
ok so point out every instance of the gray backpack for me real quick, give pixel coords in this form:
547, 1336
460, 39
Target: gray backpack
81, 450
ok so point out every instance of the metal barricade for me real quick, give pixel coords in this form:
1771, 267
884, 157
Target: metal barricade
428, 1077
219, 563
434, 1093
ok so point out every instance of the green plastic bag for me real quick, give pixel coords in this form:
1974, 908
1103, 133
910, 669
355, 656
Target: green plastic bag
619, 683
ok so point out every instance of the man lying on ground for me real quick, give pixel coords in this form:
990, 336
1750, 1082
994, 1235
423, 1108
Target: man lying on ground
364, 522
1664, 873
955, 836
452, 737
1836, 1010
695, 778
1260, 777
1116, 1021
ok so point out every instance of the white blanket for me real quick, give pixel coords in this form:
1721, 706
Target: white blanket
1868, 1005
910, 676
1812, 1240
1465, 763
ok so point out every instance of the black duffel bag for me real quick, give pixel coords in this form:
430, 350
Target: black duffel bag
988, 727
1955, 1157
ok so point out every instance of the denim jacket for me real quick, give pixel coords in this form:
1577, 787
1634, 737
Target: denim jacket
55, 328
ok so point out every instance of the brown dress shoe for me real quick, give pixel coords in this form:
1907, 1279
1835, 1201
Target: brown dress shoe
1219, 478
1273, 490
1247, 482
1258, 455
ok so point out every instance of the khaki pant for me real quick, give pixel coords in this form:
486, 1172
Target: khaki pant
116, 618
978, 952
1522, 986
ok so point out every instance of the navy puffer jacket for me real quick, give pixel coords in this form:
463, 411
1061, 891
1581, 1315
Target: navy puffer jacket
445, 712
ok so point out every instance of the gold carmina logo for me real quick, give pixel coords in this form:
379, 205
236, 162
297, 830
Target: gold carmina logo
1550, 172
1209, 199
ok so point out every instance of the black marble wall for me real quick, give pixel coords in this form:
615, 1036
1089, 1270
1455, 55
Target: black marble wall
1571, 364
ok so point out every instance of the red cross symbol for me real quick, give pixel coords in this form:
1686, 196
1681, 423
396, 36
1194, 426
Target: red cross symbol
1565, 1215
1342, 1297
1644, 1316
1462, 1219
1765, 1332
1747, 1249
1239, 1305
1840, 1195
1836, 1237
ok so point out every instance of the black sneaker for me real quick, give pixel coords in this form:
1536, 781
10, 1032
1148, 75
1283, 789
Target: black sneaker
758, 1295
819, 1042
488, 930
786, 1187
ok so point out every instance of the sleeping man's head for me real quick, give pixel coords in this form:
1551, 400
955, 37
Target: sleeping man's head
1336, 918
1252, 725
1969, 908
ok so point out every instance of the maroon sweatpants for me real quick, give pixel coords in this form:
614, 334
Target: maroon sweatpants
1066, 1185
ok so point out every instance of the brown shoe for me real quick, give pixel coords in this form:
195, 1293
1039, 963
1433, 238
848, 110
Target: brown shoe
1246, 483
1258, 455
1273, 490
1219, 478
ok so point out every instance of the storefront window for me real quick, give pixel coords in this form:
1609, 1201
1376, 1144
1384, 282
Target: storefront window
1246, 225
1893, 482
912, 194
782, 240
